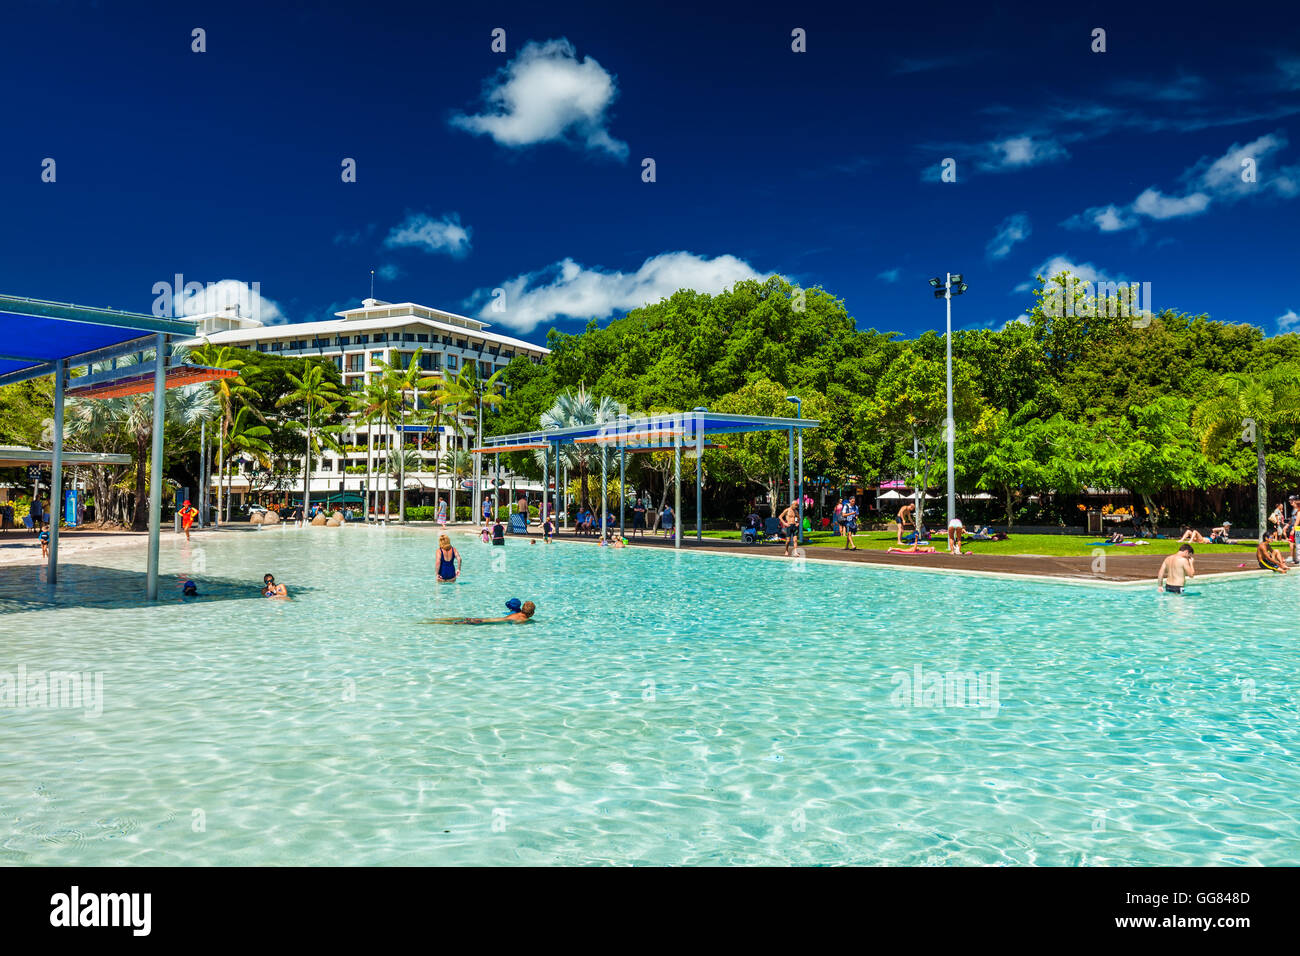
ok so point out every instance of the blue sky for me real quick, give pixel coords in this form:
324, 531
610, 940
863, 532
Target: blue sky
522, 171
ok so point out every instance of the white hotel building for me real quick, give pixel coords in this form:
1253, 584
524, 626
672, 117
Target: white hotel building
356, 342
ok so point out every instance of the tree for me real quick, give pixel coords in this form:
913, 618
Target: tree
910, 405
763, 458
232, 392
579, 408
321, 399
1250, 408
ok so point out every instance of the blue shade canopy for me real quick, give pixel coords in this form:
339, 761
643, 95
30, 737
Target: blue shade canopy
664, 430
34, 334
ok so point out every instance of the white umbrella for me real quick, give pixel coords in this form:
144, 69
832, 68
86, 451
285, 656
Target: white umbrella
890, 495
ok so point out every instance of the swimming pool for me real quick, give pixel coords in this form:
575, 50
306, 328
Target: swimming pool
664, 708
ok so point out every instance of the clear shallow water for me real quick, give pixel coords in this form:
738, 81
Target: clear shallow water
664, 708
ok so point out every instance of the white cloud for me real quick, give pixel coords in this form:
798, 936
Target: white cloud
216, 296
1015, 228
1021, 152
1105, 218
1287, 321
567, 289
1083, 271
1157, 205
422, 231
546, 94
388, 272
1210, 180
890, 275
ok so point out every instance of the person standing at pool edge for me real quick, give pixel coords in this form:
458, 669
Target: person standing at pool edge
1175, 570
790, 527
849, 515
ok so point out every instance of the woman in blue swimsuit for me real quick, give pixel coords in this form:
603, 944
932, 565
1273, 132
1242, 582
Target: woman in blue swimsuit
448, 559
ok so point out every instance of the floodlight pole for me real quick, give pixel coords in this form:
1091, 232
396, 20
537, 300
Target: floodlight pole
56, 473
622, 491
949, 425
156, 464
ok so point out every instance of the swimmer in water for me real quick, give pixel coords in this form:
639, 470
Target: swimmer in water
271, 589
449, 562
519, 614
1175, 571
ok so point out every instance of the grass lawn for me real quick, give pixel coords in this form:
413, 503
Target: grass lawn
1052, 544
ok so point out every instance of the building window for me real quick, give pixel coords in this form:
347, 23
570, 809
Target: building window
362, 339
381, 336
356, 363
376, 358
341, 340
338, 362
451, 361
484, 369
461, 344
422, 337
432, 361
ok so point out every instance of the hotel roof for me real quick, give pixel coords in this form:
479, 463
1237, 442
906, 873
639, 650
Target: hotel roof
365, 319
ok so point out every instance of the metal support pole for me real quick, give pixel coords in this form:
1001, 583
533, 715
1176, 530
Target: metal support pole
949, 425
622, 491
801, 537
791, 461
699, 479
677, 492
56, 473
203, 473
604, 492
546, 471
156, 464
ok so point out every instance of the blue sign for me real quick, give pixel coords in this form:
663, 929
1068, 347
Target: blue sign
70, 507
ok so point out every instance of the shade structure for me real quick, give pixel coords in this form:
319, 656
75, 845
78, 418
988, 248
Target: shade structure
35, 334
11, 456
39, 337
677, 432
136, 384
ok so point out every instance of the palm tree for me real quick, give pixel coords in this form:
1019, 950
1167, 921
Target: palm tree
459, 399
320, 396
127, 424
380, 403
459, 467
477, 393
433, 414
580, 408
231, 392
400, 381
1249, 407
247, 438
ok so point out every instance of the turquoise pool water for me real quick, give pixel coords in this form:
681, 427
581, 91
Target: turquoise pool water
664, 708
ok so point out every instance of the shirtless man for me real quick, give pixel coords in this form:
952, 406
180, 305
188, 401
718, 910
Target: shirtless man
1269, 558
790, 527
905, 518
1175, 571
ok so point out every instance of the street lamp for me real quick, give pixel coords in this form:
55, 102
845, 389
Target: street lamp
798, 411
946, 289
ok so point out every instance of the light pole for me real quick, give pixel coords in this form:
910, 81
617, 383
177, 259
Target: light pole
798, 412
952, 286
